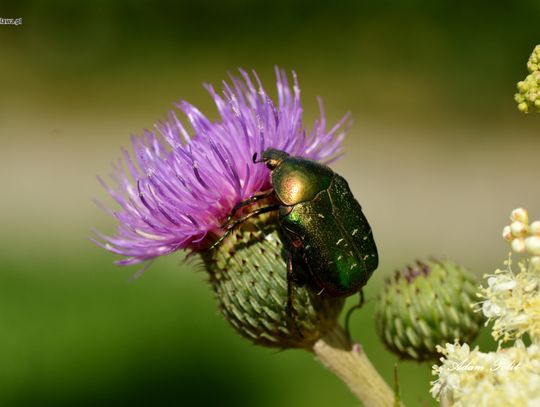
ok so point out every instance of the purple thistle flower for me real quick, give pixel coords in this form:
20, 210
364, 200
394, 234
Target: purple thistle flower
176, 189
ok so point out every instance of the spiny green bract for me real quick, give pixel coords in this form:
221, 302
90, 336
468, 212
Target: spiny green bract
248, 273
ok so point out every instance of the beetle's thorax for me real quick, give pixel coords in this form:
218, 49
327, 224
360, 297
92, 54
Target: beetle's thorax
298, 180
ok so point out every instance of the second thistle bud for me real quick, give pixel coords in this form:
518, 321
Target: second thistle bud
425, 305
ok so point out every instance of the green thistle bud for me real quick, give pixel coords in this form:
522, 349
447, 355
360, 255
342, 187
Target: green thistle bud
528, 96
248, 273
426, 305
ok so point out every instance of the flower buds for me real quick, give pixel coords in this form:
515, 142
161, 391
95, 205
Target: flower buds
425, 305
528, 96
523, 237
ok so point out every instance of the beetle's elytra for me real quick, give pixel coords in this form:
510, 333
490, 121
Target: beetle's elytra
322, 220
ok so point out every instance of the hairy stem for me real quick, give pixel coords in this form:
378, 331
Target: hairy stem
352, 366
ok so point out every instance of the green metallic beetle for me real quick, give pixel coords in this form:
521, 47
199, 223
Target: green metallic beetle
321, 220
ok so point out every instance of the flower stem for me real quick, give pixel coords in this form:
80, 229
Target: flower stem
352, 366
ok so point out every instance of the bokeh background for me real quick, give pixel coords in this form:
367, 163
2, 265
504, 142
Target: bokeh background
438, 156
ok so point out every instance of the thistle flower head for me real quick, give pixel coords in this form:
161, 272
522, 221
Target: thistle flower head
177, 187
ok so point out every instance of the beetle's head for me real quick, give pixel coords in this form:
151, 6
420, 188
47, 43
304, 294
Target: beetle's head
271, 157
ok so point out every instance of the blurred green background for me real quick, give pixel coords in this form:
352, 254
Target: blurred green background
438, 156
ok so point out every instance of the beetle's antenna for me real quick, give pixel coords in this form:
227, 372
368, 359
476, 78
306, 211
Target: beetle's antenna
255, 161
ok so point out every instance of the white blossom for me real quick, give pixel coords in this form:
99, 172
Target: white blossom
511, 301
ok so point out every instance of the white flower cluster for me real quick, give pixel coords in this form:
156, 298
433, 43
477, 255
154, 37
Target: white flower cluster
508, 377
511, 300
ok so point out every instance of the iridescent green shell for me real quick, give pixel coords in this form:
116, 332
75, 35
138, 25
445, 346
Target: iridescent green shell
325, 225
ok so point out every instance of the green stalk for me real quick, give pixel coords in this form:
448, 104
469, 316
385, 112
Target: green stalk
351, 365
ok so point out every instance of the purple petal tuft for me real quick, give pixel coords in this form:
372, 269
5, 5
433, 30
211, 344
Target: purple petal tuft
177, 189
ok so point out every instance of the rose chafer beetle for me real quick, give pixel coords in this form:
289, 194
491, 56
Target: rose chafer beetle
321, 220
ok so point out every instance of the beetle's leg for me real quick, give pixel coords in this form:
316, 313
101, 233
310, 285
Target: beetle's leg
351, 310
254, 198
291, 279
256, 212
229, 228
